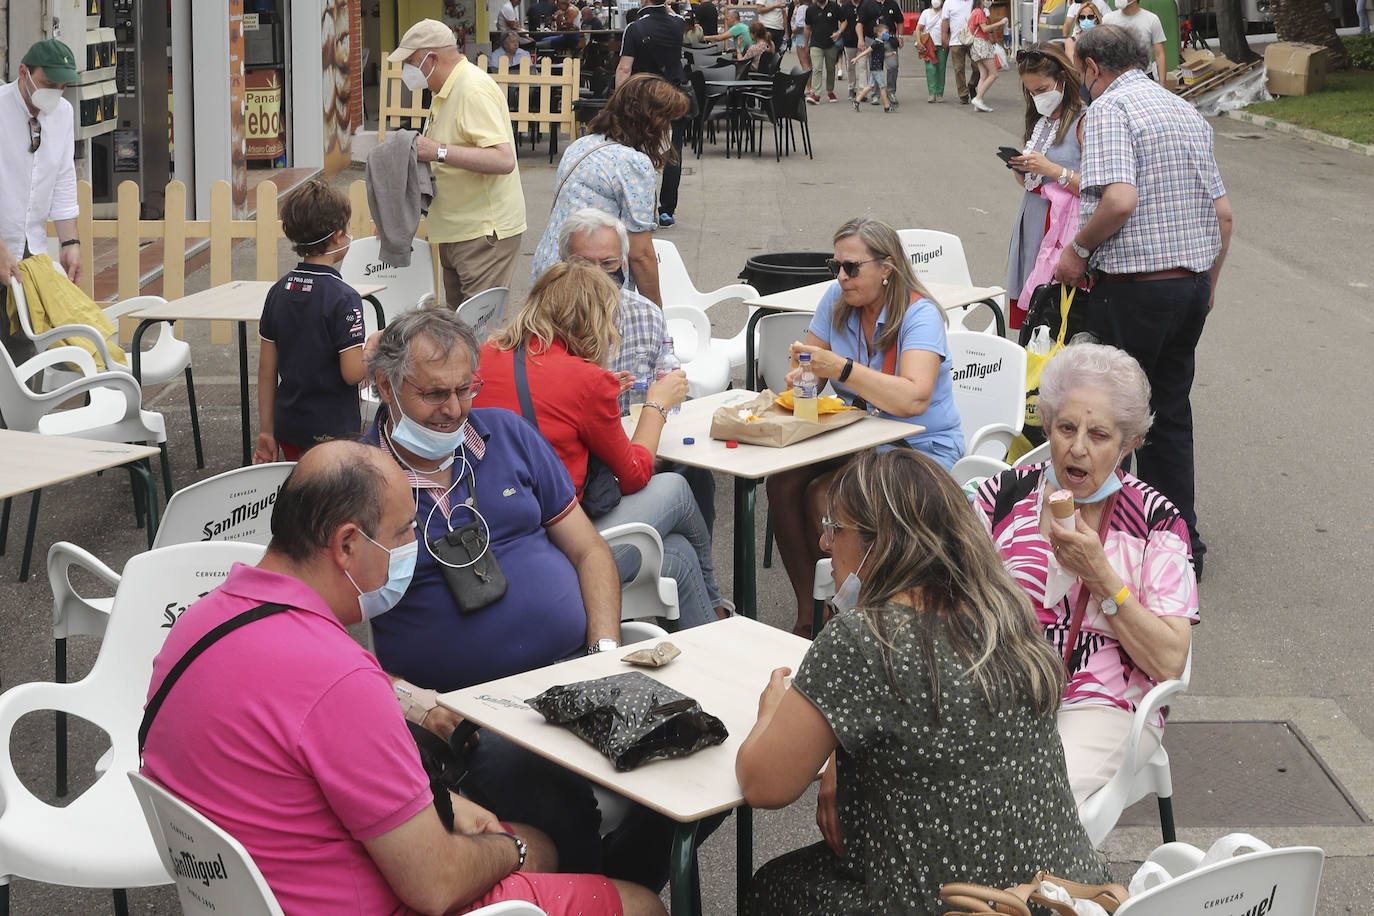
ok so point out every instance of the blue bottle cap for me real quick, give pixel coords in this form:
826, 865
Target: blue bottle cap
688, 440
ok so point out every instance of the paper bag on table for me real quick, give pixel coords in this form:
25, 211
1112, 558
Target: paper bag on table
763, 422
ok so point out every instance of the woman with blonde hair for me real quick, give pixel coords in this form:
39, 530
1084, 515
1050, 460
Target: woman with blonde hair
614, 168
556, 346
933, 696
880, 340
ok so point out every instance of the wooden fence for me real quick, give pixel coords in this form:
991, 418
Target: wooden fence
223, 231
554, 93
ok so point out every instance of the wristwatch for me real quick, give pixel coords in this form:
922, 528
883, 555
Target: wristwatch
521, 848
1111, 604
603, 645
1079, 249
441, 155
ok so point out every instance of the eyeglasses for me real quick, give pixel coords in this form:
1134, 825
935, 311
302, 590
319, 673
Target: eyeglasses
35, 135
828, 529
436, 396
1088, 18
609, 265
1030, 56
851, 268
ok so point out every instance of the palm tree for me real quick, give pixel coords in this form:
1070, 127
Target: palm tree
1307, 21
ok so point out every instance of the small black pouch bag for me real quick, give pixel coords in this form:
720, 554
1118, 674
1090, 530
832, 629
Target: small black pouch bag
631, 718
465, 558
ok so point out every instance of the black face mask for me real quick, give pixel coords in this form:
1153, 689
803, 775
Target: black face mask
1084, 92
618, 275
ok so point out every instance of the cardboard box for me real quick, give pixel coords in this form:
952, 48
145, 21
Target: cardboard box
1295, 68
1196, 66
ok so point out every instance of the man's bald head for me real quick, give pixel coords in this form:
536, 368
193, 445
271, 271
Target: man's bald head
333, 484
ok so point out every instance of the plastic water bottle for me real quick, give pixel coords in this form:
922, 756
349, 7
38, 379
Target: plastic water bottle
639, 388
804, 406
667, 362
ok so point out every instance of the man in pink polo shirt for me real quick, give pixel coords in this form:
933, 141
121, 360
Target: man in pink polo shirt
288, 735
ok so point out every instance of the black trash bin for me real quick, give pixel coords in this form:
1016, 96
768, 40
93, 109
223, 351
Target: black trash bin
773, 273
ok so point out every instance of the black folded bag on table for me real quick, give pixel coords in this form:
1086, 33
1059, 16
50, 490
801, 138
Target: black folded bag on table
631, 718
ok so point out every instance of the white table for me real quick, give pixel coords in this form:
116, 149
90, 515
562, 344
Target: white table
34, 461
749, 464
239, 301
949, 296
723, 665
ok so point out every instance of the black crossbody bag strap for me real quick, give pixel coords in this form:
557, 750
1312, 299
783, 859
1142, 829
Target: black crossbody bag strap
522, 391
233, 623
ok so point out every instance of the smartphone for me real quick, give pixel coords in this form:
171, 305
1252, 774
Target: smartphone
1007, 153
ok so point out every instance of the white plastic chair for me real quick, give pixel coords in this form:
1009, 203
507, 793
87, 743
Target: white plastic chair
164, 361
677, 288
938, 257
1139, 775
47, 339
100, 839
1284, 882
114, 413
233, 506
773, 355
406, 287
179, 831
649, 593
974, 469
1036, 455
485, 310
989, 390
707, 367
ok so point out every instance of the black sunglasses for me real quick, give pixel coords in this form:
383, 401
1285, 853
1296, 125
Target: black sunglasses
851, 268
1088, 17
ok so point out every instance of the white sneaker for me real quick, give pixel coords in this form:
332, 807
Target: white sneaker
981, 105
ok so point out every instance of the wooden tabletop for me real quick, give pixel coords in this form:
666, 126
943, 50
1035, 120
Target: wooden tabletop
755, 461
806, 298
34, 461
724, 666
238, 300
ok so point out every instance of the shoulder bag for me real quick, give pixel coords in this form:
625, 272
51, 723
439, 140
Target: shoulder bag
600, 488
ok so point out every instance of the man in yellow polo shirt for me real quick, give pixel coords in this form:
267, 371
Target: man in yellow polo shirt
478, 213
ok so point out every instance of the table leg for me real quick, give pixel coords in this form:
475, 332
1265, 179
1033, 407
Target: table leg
744, 854
243, 391
28, 537
749, 329
685, 895
144, 473
137, 355
745, 583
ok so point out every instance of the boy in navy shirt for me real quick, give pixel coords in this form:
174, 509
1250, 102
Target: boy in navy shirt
877, 71
311, 356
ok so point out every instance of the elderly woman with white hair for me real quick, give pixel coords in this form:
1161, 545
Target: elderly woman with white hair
1113, 585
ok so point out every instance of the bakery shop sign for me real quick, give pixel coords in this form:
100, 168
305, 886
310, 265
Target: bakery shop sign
263, 131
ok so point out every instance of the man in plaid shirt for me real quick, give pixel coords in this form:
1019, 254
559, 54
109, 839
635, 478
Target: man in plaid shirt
1155, 225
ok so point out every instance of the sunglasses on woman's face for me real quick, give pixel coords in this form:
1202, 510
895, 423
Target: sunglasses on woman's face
1088, 18
851, 268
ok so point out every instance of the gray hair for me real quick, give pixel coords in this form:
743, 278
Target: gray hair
443, 328
1100, 367
1114, 49
588, 220
323, 492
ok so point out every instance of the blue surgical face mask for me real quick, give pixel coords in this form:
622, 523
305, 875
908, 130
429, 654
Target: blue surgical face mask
847, 595
1085, 25
400, 568
1109, 486
423, 441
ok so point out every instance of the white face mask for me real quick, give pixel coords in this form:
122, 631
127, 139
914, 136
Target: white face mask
1046, 102
847, 595
935, 4
45, 100
415, 77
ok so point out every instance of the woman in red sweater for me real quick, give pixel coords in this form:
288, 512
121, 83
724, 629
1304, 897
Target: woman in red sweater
565, 332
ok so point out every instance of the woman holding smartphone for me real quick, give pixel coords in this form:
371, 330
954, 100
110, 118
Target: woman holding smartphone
1051, 154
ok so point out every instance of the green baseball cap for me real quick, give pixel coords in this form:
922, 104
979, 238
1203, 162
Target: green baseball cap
55, 59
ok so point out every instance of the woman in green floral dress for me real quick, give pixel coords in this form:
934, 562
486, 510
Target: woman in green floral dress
934, 698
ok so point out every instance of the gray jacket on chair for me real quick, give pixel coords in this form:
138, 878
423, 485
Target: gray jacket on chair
399, 189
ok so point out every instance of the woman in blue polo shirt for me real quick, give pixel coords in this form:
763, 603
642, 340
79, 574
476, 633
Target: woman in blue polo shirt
880, 341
